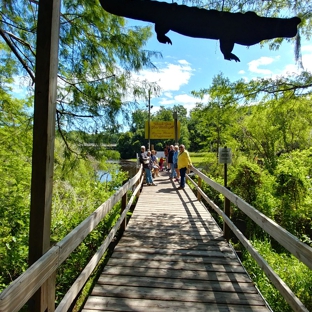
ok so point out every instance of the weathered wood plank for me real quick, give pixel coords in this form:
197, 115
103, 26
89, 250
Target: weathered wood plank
143, 305
182, 236
173, 257
182, 295
177, 257
160, 282
194, 275
17, 293
177, 265
149, 242
215, 253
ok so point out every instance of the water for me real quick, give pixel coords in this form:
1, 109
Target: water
127, 166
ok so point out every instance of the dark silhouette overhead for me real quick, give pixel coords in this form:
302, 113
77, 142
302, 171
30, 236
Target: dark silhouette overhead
230, 28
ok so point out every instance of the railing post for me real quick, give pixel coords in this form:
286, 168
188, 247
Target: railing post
199, 183
227, 208
124, 202
43, 143
51, 292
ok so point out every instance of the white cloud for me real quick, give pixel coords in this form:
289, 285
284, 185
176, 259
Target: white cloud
306, 60
262, 61
168, 94
170, 77
290, 69
306, 48
183, 62
166, 101
293, 69
186, 100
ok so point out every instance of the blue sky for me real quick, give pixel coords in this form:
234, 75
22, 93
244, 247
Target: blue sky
191, 63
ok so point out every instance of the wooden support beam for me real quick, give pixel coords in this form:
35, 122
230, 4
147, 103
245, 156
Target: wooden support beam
199, 183
227, 208
124, 202
43, 141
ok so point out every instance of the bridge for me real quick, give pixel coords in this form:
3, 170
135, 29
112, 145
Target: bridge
172, 256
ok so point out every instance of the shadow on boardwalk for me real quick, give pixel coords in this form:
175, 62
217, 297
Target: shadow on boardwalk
173, 257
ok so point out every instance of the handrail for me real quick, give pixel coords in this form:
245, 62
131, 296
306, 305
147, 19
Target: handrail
13, 298
23, 288
83, 277
302, 251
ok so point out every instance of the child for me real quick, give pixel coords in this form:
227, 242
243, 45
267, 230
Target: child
161, 163
155, 163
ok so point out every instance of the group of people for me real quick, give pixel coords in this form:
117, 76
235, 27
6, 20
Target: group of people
178, 161
149, 161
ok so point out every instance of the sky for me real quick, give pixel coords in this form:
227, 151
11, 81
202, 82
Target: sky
191, 63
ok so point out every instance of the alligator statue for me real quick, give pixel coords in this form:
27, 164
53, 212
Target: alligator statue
229, 28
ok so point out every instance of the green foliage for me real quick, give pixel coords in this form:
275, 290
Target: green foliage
293, 272
77, 193
15, 172
80, 257
246, 181
293, 185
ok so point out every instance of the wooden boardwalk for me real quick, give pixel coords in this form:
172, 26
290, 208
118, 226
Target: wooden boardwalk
173, 257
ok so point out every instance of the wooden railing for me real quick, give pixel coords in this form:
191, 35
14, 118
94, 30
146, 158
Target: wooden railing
300, 250
23, 288
16, 295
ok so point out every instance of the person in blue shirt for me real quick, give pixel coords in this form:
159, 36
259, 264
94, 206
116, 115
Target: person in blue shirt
146, 161
170, 162
175, 163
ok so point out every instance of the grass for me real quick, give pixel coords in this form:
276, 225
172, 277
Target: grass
198, 158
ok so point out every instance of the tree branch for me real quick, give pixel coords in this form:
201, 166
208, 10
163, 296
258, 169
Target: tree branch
14, 50
61, 132
74, 115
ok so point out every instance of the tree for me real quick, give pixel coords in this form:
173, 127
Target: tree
138, 120
97, 55
217, 118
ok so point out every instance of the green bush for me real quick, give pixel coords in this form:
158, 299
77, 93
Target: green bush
294, 273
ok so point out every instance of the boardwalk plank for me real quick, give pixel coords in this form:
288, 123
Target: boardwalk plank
177, 265
100, 303
198, 275
182, 295
177, 257
180, 283
173, 257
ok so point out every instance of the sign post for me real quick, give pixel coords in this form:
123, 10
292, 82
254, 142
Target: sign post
225, 157
149, 119
175, 118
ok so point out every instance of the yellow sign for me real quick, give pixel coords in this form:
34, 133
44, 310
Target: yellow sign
161, 130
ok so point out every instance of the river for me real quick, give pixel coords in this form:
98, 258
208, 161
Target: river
125, 165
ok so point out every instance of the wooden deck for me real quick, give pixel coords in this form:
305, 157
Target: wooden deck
173, 257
